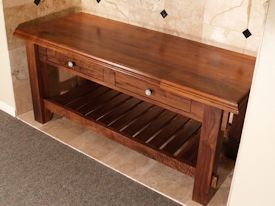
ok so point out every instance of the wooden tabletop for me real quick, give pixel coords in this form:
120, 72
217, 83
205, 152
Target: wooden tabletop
204, 73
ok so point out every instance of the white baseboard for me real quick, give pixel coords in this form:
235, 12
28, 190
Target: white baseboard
8, 109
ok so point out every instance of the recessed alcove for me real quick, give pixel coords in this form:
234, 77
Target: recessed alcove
209, 25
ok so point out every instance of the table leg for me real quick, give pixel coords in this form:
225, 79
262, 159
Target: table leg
235, 133
210, 141
38, 84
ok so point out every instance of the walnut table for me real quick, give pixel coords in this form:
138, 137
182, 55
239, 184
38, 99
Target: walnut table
164, 96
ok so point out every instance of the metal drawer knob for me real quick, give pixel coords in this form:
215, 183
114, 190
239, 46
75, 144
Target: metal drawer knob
148, 92
71, 64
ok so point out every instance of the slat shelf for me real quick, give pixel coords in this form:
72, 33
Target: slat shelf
156, 132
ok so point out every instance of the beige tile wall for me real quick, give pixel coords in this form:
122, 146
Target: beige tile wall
16, 12
215, 22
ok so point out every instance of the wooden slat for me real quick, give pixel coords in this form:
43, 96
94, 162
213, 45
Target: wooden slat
189, 151
75, 104
156, 125
94, 103
168, 131
148, 126
117, 136
182, 136
132, 115
120, 110
108, 107
143, 120
74, 93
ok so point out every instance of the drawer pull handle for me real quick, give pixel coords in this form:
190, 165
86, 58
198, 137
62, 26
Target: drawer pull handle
71, 64
148, 92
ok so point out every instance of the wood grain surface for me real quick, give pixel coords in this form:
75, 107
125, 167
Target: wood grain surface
192, 89
201, 72
147, 128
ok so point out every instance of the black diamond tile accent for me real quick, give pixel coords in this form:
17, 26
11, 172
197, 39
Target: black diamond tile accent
37, 2
98, 1
164, 13
247, 33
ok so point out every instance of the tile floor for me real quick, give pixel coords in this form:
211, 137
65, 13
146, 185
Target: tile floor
138, 167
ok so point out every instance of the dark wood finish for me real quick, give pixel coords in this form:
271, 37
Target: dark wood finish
193, 87
131, 124
169, 131
38, 84
109, 77
155, 126
139, 86
190, 129
200, 72
238, 121
81, 65
210, 140
197, 110
235, 132
160, 97
225, 120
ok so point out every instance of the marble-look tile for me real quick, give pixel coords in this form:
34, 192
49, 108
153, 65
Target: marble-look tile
88, 6
229, 14
192, 203
252, 45
118, 10
63, 129
146, 13
215, 22
20, 77
59, 5
13, 17
185, 18
257, 17
23, 97
13, 3
169, 182
138, 167
224, 22
229, 19
60, 80
223, 38
122, 159
28, 118
94, 145
45, 7
19, 64
17, 12
256, 25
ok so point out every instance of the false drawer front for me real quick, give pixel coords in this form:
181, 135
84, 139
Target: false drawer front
151, 91
78, 64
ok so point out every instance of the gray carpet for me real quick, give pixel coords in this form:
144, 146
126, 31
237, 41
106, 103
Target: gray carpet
37, 170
